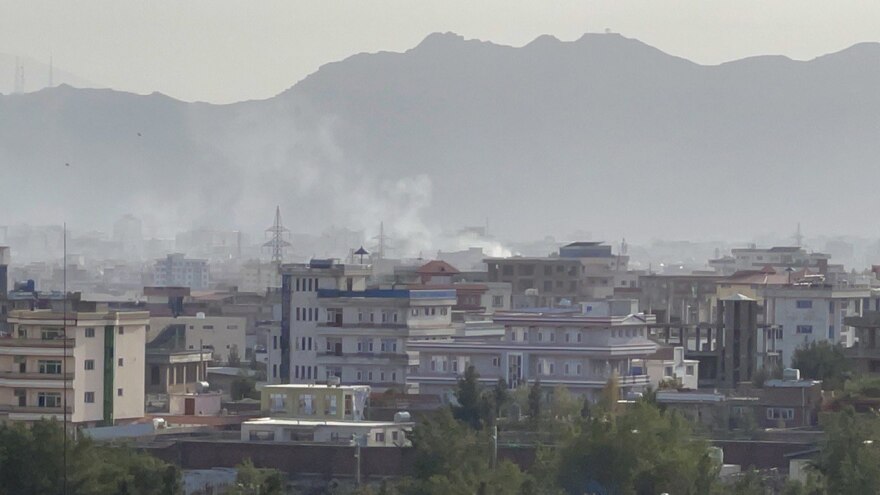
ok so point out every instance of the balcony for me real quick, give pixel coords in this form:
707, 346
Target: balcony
16, 375
333, 357
8, 408
42, 343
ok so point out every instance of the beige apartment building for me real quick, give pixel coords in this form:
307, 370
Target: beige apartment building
96, 369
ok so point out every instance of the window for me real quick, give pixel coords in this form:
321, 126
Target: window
90, 332
50, 367
831, 307
89, 397
274, 342
89, 364
496, 361
389, 345
805, 329
51, 333
780, 413
804, 304
444, 311
689, 370
414, 312
48, 399
580, 336
119, 362
119, 392
831, 332
360, 316
297, 285
274, 371
380, 436
277, 402
307, 404
330, 406
121, 330
552, 336
394, 435
207, 327
497, 301
667, 371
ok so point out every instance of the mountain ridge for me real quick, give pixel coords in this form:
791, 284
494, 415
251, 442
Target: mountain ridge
453, 130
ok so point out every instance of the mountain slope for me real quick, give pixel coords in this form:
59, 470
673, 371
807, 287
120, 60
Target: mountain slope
604, 133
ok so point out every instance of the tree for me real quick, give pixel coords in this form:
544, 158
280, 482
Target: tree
252, 480
452, 458
821, 360
536, 396
610, 395
243, 387
468, 396
849, 460
31, 463
563, 405
642, 451
502, 396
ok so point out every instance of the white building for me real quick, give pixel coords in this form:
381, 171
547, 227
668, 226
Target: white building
558, 346
668, 363
331, 414
810, 313
340, 328
216, 335
779, 257
103, 372
177, 271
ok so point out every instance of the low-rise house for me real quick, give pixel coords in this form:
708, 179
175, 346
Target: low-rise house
669, 364
323, 414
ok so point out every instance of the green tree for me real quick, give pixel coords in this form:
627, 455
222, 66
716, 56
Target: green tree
821, 360
563, 405
250, 480
610, 395
502, 396
849, 460
643, 451
467, 394
31, 462
243, 387
450, 457
536, 397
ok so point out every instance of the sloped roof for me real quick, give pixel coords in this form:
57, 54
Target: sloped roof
438, 267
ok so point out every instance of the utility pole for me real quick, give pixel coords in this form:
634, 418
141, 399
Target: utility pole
494, 446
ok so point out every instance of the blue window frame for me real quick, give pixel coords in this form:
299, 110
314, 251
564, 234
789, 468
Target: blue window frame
805, 329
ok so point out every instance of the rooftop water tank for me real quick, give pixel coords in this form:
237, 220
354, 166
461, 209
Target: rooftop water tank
402, 417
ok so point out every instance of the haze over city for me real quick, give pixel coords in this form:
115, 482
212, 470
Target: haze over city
440, 247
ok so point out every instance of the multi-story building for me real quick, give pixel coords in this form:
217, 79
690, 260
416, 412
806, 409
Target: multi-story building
779, 257
258, 276
679, 299
4, 287
582, 271
559, 346
336, 326
178, 271
669, 363
95, 367
301, 314
218, 336
810, 312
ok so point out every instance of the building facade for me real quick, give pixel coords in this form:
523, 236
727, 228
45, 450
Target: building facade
175, 270
220, 337
556, 346
95, 367
805, 313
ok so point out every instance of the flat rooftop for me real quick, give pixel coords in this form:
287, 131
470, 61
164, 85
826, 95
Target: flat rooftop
315, 422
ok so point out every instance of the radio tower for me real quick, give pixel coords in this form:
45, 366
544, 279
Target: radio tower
382, 242
277, 242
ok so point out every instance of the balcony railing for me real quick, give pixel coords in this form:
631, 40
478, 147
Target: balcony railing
49, 343
8, 408
367, 355
17, 375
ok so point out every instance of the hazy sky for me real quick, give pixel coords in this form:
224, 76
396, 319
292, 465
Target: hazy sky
222, 50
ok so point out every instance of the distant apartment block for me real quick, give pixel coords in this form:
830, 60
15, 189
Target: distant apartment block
779, 257
103, 374
805, 313
581, 271
178, 271
579, 348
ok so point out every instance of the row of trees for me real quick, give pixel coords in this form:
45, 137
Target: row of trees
32, 463
605, 449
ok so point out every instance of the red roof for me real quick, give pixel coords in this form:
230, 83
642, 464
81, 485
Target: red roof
438, 267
